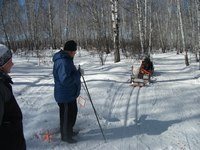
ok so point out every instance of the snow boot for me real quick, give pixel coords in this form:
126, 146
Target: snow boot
69, 140
75, 133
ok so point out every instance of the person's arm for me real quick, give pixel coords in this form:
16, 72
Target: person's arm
5, 96
64, 74
1, 108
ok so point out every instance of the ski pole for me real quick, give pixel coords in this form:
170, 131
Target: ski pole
87, 91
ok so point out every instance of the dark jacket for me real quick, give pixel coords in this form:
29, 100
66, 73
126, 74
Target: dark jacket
147, 65
66, 77
11, 128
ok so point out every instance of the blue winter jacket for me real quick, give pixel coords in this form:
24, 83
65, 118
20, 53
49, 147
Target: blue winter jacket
66, 77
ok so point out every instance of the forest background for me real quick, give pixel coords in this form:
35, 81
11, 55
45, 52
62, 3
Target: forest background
131, 27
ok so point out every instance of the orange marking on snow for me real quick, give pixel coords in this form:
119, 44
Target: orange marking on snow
47, 136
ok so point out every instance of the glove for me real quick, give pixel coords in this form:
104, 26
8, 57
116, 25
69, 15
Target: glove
81, 71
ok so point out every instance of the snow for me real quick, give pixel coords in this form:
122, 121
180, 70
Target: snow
164, 115
3, 49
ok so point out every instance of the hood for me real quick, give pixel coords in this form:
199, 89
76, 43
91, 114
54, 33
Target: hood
60, 55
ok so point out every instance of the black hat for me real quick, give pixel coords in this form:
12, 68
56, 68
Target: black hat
5, 54
70, 46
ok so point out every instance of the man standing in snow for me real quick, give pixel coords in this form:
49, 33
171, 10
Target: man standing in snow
67, 89
11, 128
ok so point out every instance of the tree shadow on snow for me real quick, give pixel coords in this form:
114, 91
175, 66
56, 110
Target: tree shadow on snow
143, 126
174, 80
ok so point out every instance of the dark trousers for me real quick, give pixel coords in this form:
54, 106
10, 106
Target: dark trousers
68, 114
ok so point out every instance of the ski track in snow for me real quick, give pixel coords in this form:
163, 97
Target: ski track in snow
184, 116
34, 92
129, 97
176, 93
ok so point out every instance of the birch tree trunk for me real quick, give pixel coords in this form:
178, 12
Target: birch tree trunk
145, 22
178, 45
115, 27
150, 31
169, 24
182, 33
198, 16
66, 19
160, 33
198, 22
29, 7
51, 24
192, 16
139, 19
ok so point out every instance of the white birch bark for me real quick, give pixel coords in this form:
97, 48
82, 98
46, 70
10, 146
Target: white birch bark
50, 22
182, 33
190, 10
160, 35
66, 19
145, 22
198, 22
169, 23
192, 14
198, 16
29, 12
115, 26
150, 31
139, 19
178, 35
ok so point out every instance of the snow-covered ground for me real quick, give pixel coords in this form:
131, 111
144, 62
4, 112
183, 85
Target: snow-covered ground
164, 115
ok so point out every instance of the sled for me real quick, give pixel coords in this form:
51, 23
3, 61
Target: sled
135, 81
146, 78
138, 79
138, 82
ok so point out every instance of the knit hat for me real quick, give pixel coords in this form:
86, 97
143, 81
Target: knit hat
5, 54
70, 46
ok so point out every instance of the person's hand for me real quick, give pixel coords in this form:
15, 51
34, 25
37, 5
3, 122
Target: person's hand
81, 71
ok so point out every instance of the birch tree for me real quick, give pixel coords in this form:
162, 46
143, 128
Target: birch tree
160, 33
139, 21
29, 12
198, 20
150, 31
51, 25
145, 21
182, 33
66, 20
193, 11
115, 27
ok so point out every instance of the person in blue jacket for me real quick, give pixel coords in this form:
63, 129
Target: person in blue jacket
66, 89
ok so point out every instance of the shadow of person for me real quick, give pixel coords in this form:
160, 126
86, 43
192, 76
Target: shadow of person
143, 126
154, 127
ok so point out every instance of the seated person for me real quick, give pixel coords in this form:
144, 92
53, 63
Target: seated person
146, 68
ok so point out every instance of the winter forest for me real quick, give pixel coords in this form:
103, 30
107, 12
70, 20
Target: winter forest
132, 26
